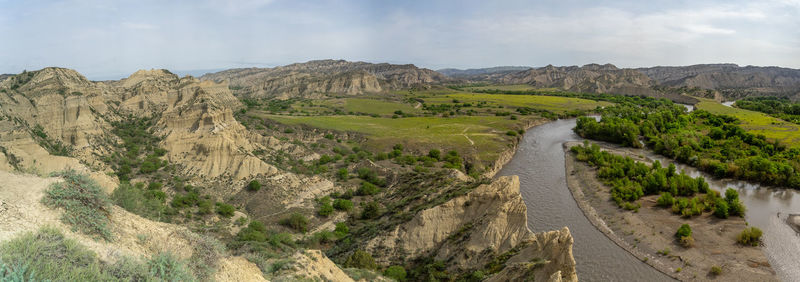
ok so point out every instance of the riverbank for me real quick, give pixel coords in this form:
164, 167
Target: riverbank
649, 233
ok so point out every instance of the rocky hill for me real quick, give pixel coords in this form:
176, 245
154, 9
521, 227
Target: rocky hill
318, 78
482, 73
731, 80
176, 153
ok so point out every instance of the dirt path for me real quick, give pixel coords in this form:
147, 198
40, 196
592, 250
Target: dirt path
464, 133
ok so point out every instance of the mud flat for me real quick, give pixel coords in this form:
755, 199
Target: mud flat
649, 233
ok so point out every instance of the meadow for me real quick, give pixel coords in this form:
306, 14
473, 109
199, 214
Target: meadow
482, 136
757, 122
549, 103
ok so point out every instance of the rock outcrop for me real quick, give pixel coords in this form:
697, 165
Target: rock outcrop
471, 230
317, 78
731, 80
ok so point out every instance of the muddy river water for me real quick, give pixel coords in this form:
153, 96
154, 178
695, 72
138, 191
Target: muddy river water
539, 163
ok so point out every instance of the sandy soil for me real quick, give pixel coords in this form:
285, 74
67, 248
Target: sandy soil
651, 230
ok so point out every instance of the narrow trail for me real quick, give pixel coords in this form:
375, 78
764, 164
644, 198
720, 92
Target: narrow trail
465, 136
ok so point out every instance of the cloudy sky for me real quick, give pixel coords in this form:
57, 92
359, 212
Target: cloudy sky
110, 39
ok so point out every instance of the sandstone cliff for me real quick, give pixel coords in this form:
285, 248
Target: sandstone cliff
471, 230
317, 78
731, 80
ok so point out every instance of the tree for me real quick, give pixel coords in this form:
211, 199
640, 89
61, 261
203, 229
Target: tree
342, 174
325, 208
721, 208
361, 259
396, 272
225, 210
254, 186
343, 204
371, 210
367, 189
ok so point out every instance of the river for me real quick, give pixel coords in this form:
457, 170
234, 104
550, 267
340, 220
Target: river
539, 163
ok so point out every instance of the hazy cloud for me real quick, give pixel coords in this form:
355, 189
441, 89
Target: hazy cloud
102, 38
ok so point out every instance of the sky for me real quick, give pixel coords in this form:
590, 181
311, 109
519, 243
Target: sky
111, 39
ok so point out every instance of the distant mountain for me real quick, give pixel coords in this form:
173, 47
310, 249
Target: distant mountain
478, 73
4, 76
316, 78
732, 81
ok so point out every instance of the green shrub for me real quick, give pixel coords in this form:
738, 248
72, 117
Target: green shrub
254, 186
86, 206
148, 204
361, 259
396, 272
750, 236
684, 231
715, 270
511, 133
205, 207
167, 267
367, 189
665, 200
325, 207
721, 208
342, 174
155, 186
476, 276
343, 204
255, 231
225, 210
296, 221
341, 229
15, 273
47, 255
371, 210
435, 154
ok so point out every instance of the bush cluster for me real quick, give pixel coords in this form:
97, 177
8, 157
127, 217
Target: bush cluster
86, 206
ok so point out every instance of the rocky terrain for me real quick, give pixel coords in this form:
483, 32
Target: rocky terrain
174, 133
482, 73
318, 78
731, 80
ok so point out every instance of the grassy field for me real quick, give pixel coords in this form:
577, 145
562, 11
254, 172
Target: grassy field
355, 105
481, 136
757, 123
551, 103
512, 87
372, 106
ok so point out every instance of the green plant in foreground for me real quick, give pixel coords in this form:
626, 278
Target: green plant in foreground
168, 268
86, 206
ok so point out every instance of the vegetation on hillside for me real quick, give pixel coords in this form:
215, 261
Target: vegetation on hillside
85, 206
47, 255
